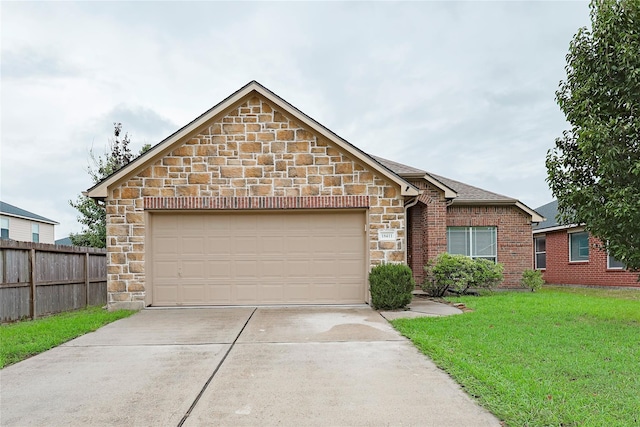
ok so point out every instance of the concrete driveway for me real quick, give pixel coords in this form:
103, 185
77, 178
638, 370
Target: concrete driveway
285, 366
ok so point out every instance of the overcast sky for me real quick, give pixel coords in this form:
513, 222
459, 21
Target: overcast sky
461, 89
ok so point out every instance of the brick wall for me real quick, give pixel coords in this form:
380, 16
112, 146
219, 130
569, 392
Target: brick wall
594, 272
428, 224
253, 151
515, 245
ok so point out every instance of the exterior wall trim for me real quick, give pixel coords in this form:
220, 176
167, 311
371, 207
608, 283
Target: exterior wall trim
261, 202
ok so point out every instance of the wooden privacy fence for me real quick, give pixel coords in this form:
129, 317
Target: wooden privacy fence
40, 279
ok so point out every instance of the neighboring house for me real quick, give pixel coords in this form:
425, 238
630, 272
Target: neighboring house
568, 255
254, 202
66, 241
19, 224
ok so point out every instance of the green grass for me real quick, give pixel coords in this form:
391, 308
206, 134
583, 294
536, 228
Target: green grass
21, 340
557, 357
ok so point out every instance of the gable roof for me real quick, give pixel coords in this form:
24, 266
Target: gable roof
14, 211
411, 172
469, 193
100, 190
464, 193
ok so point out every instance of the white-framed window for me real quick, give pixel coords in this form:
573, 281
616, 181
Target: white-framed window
474, 242
4, 228
614, 264
35, 232
579, 247
540, 248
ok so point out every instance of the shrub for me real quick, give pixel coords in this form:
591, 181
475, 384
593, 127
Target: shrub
485, 274
458, 273
391, 286
446, 273
532, 279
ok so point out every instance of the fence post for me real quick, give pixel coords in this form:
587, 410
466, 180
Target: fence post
32, 279
86, 279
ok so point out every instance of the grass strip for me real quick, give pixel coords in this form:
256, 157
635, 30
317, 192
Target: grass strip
552, 358
21, 340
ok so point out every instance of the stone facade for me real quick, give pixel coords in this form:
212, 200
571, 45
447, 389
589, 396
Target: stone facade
253, 153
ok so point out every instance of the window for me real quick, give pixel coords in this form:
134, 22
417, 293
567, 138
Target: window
35, 232
4, 228
474, 242
614, 264
579, 247
540, 244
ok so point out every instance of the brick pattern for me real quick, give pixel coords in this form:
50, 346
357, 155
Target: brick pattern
427, 222
253, 151
233, 203
515, 246
560, 271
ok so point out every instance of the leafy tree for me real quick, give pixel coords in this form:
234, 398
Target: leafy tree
93, 214
594, 169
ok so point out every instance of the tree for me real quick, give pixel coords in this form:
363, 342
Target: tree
93, 214
594, 169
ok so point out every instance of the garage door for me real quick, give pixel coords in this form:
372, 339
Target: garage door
257, 258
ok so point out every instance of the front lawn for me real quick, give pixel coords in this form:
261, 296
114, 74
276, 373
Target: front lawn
557, 357
21, 340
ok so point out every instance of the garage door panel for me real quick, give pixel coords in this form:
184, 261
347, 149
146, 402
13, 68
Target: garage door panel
218, 245
193, 294
271, 293
165, 269
246, 293
165, 294
193, 269
223, 293
272, 269
192, 245
258, 258
165, 246
271, 245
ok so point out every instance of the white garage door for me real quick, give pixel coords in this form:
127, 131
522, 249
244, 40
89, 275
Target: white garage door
257, 258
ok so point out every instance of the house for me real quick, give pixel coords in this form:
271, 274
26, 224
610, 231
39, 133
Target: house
254, 202
65, 241
569, 255
19, 224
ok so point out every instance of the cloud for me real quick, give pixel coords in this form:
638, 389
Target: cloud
462, 89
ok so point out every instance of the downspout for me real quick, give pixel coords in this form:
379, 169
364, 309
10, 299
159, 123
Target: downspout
408, 205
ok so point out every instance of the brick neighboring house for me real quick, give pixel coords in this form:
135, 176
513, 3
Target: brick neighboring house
21, 225
568, 255
254, 202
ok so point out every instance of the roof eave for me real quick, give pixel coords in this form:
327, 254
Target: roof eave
535, 216
556, 228
44, 221
449, 193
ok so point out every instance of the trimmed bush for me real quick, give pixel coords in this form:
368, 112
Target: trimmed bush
446, 273
485, 274
391, 286
458, 273
532, 279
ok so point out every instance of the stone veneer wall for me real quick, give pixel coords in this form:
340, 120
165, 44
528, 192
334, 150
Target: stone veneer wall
254, 151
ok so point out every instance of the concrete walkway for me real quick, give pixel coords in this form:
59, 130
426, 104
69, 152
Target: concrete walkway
243, 366
421, 307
